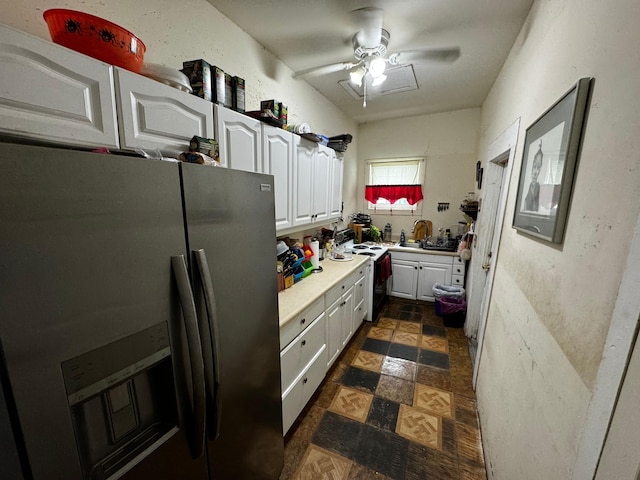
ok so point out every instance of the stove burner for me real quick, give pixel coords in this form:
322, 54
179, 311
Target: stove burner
375, 248
359, 247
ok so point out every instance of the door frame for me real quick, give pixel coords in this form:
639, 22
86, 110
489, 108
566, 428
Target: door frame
500, 152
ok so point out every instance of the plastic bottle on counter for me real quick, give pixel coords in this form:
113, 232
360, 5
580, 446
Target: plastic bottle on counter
386, 236
403, 238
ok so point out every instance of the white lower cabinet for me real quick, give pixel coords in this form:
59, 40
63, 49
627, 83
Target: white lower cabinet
339, 317
414, 275
303, 364
294, 400
312, 341
359, 297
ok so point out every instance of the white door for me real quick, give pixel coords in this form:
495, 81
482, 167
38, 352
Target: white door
239, 139
82, 110
334, 331
404, 279
156, 116
428, 275
277, 160
303, 158
347, 317
335, 197
487, 236
321, 183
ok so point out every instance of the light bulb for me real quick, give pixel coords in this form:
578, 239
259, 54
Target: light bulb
356, 76
377, 66
379, 80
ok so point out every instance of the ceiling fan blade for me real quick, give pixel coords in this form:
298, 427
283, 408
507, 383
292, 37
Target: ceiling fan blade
325, 69
369, 20
445, 55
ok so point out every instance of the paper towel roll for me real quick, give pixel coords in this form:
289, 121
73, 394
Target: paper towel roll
315, 248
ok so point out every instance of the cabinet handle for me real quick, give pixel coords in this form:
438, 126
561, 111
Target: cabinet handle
420, 267
305, 380
343, 287
303, 320
415, 268
304, 342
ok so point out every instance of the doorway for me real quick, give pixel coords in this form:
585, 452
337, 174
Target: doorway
486, 240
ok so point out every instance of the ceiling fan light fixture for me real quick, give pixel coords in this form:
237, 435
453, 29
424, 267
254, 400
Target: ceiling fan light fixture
377, 67
379, 80
357, 75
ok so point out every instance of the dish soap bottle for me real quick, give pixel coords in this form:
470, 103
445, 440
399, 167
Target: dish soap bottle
403, 238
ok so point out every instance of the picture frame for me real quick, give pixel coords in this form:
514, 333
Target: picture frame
549, 162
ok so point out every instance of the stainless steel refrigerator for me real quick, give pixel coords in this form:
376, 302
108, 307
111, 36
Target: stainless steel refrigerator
138, 319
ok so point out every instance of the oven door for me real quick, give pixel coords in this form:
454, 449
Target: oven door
381, 274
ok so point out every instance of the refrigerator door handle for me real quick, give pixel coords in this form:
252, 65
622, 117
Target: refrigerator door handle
179, 267
212, 348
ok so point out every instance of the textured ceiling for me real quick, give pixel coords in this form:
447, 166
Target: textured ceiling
305, 34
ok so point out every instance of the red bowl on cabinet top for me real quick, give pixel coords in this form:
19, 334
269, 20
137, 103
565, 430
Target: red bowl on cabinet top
96, 37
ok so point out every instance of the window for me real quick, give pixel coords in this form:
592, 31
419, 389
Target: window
394, 184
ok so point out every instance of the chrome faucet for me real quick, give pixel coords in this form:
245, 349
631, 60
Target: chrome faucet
415, 224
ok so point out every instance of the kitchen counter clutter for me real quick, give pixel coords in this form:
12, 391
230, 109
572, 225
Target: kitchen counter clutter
295, 299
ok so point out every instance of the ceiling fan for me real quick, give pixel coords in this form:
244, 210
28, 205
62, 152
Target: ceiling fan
370, 52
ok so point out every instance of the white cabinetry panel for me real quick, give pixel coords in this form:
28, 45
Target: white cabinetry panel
335, 197
156, 116
240, 140
50, 93
277, 160
321, 183
304, 154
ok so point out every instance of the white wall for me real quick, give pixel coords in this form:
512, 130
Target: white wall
174, 32
552, 306
447, 140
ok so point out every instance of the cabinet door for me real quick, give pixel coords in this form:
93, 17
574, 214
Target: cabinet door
405, 279
156, 116
368, 292
334, 331
277, 160
358, 302
240, 140
430, 274
50, 93
335, 196
347, 317
303, 158
299, 353
321, 183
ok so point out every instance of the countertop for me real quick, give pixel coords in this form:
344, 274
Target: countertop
296, 298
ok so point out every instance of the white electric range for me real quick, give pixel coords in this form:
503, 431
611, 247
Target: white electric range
377, 288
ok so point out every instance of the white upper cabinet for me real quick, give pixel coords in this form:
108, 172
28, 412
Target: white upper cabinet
152, 115
50, 93
303, 158
240, 140
321, 183
315, 176
277, 160
335, 197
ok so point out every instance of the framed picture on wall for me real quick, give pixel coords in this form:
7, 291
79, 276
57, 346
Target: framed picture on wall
549, 162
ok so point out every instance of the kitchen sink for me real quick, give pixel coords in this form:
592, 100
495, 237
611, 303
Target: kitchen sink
413, 246
421, 246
